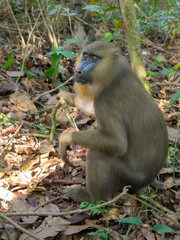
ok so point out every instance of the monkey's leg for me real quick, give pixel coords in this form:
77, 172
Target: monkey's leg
99, 184
105, 175
156, 184
79, 194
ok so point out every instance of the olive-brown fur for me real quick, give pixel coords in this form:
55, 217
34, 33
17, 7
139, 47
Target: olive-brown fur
130, 144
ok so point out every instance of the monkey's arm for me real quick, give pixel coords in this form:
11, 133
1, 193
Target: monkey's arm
95, 140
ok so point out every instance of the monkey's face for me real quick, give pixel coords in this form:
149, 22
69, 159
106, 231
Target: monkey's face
89, 61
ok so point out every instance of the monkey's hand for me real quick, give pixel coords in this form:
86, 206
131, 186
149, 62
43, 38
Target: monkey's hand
65, 140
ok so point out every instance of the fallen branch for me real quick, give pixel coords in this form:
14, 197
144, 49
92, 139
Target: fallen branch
9, 220
124, 192
52, 90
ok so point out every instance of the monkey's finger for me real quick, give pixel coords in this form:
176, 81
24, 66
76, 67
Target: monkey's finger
62, 152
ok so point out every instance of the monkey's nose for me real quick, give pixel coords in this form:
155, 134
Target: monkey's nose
78, 73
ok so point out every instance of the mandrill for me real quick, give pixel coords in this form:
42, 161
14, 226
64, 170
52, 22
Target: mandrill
130, 144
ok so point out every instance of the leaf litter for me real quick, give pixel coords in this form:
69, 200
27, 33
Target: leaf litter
33, 177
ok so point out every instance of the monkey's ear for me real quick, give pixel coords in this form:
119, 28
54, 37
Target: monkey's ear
116, 53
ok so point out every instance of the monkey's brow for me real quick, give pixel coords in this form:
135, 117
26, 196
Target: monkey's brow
91, 53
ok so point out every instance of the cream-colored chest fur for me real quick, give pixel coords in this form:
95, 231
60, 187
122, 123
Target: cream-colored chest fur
85, 105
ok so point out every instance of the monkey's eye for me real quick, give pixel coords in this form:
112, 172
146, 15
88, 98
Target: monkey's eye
94, 57
85, 55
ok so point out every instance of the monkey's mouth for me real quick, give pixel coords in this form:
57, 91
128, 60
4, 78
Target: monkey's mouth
83, 80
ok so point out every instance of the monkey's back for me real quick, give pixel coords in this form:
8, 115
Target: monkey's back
125, 104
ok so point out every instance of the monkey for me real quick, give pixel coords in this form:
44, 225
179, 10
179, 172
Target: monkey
130, 144
82, 30
77, 5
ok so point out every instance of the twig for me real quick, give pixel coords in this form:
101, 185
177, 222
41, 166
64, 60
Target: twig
52, 90
33, 134
65, 107
17, 25
9, 220
54, 121
11, 138
6, 230
45, 203
124, 192
48, 27
164, 209
34, 113
159, 210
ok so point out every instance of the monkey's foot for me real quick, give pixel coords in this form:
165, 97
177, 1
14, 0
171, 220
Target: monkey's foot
79, 194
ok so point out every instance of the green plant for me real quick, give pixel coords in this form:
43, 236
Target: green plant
175, 97
138, 222
166, 71
174, 161
163, 228
57, 54
4, 120
101, 233
9, 62
106, 13
93, 207
161, 17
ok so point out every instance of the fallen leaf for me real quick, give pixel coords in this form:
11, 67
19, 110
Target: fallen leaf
23, 102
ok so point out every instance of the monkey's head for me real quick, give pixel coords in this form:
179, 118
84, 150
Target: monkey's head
96, 64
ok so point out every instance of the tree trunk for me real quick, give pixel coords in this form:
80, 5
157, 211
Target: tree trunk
133, 39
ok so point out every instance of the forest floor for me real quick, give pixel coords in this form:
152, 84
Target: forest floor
32, 175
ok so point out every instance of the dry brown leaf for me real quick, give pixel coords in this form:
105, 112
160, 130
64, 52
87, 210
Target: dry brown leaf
76, 229
7, 87
173, 134
21, 205
49, 228
113, 214
46, 147
15, 73
23, 102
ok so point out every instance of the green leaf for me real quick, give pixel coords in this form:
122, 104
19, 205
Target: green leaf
131, 220
163, 228
55, 10
97, 211
37, 72
175, 97
108, 36
28, 72
110, 9
101, 233
83, 205
61, 69
149, 73
74, 40
68, 54
159, 59
166, 71
144, 197
55, 50
118, 24
68, 14
176, 67
52, 12
49, 72
94, 8
9, 62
